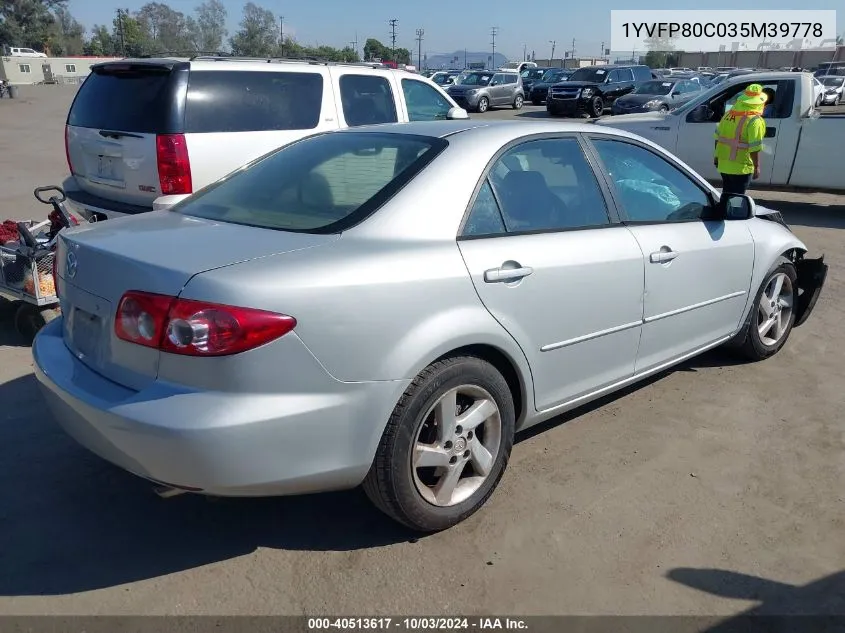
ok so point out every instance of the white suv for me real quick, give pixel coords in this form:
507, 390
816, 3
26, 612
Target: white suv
25, 52
145, 133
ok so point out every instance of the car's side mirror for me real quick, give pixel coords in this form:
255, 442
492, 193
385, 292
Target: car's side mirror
676, 93
735, 206
457, 113
702, 114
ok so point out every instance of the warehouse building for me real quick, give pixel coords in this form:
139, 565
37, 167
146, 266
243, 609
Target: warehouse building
52, 70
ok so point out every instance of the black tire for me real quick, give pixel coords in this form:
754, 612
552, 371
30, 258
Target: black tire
553, 113
748, 343
596, 107
29, 319
390, 483
483, 105
518, 102
537, 102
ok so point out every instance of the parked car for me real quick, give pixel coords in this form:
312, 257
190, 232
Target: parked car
660, 95
834, 87
479, 91
593, 88
445, 78
530, 76
223, 347
144, 133
25, 52
798, 148
540, 89
818, 92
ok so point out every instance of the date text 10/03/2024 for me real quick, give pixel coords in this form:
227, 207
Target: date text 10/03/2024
417, 624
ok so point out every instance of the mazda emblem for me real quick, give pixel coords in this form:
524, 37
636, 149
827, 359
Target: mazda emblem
71, 264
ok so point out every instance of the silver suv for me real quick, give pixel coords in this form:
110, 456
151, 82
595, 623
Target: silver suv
479, 91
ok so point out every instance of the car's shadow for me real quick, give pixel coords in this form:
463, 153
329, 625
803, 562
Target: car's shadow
816, 606
69, 522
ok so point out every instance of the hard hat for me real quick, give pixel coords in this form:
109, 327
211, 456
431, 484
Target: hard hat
752, 99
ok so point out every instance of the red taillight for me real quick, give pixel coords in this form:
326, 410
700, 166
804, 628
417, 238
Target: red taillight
174, 166
67, 149
195, 328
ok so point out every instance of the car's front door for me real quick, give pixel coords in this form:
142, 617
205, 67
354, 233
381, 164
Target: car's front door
697, 270
498, 90
556, 270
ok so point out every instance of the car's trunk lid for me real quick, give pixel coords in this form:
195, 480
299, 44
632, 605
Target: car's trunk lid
157, 252
113, 125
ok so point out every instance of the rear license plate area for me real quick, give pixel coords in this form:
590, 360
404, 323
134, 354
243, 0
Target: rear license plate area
84, 332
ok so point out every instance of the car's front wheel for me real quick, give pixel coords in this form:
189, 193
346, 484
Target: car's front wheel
483, 104
596, 107
772, 314
446, 445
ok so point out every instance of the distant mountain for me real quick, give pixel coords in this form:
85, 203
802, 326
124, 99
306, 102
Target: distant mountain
459, 59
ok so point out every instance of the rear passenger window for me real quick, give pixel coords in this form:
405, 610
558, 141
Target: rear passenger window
544, 185
228, 101
367, 100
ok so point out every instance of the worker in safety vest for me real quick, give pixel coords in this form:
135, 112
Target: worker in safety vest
739, 139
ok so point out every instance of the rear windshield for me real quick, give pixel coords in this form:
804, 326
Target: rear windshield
596, 75
238, 101
137, 98
654, 88
321, 184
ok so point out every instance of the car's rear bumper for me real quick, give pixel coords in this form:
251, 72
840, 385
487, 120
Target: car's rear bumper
90, 206
226, 444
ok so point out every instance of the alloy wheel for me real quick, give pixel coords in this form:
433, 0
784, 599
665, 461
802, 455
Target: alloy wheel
456, 446
775, 309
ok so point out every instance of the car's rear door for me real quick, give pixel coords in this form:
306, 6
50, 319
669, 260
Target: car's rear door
113, 124
697, 270
555, 269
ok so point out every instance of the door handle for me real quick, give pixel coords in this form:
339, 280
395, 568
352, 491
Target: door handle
495, 275
661, 257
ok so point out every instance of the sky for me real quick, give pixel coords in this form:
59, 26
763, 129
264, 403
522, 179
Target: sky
448, 25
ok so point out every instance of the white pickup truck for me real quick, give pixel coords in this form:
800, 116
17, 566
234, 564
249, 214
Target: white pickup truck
802, 148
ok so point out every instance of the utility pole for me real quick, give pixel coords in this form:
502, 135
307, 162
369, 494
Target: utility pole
120, 31
420, 33
494, 31
602, 50
393, 24
553, 43
525, 52
355, 43
282, 35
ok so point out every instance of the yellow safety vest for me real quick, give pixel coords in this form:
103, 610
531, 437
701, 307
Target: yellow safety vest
738, 135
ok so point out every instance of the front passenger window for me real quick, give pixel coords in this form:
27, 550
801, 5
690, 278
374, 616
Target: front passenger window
650, 188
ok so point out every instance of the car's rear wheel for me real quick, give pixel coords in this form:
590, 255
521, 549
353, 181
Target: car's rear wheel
518, 102
772, 315
483, 104
445, 447
596, 107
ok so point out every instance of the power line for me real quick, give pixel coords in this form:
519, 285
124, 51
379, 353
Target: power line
420, 33
494, 31
393, 24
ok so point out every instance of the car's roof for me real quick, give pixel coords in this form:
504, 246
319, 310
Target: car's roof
472, 129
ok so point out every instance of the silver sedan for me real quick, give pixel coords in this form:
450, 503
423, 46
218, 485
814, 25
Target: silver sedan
326, 317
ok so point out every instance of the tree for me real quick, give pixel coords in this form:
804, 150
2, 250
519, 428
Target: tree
373, 49
27, 22
659, 49
258, 36
130, 33
101, 42
165, 28
208, 30
66, 35
403, 56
